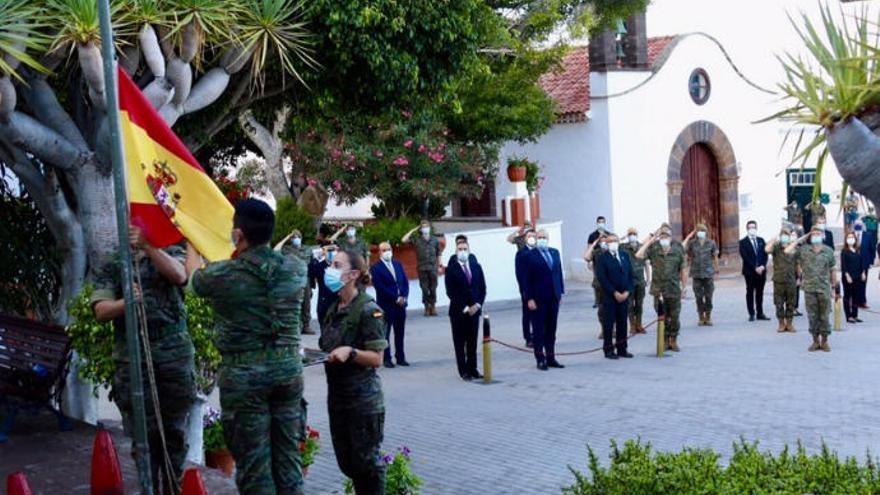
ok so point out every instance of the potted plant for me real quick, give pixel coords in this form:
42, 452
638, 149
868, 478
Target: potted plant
216, 454
399, 478
392, 230
518, 168
309, 448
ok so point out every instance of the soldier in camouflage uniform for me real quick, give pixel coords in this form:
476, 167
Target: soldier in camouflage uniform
593, 251
354, 337
351, 241
703, 256
816, 263
162, 275
293, 246
428, 253
667, 281
785, 286
256, 301
631, 245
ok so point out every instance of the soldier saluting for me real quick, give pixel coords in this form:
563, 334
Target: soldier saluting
668, 279
816, 263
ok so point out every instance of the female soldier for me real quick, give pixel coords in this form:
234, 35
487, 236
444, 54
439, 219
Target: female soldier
354, 337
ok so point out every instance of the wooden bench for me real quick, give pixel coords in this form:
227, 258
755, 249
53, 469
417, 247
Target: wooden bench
34, 359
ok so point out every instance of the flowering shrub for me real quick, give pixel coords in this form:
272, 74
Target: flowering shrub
234, 190
309, 447
212, 430
399, 478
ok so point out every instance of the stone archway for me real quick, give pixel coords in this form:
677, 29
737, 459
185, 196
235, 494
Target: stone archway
707, 133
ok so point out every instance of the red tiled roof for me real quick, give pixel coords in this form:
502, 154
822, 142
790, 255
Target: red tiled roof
570, 85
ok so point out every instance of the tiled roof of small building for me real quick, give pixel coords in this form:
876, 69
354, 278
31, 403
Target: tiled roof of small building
570, 85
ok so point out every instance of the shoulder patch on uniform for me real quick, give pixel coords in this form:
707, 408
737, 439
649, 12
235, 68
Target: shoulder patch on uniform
377, 313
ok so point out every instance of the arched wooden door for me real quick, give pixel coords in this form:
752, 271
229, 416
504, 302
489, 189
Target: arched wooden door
700, 198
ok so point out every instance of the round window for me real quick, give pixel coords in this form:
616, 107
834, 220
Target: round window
699, 86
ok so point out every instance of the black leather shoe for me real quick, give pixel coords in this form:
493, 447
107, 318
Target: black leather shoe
859, 320
610, 355
751, 317
555, 364
388, 363
542, 366
798, 313
466, 377
529, 344
624, 355
476, 375
402, 362
763, 318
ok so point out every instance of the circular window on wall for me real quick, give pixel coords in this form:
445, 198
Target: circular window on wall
699, 86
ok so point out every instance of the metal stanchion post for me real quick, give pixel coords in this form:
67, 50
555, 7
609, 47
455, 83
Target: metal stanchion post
487, 350
661, 328
837, 311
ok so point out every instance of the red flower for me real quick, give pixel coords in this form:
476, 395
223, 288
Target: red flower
302, 447
314, 433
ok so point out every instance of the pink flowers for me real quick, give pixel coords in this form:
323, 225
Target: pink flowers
436, 156
422, 148
406, 114
335, 153
337, 185
408, 143
401, 161
402, 176
378, 154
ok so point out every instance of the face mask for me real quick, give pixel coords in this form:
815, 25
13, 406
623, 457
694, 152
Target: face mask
463, 255
333, 279
542, 243
665, 243
850, 241
603, 246
815, 240
317, 253
753, 232
821, 226
701, 235
387, 255
633, 239
785, 239
330, 256
233, 239
350, 232
600, 226
613, 247
426, 230
530, 242
297, 242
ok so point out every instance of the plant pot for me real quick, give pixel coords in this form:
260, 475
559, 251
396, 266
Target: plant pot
517, 174
305, 471
221, 459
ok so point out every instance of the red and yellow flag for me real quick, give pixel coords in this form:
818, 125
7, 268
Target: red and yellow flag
170, 195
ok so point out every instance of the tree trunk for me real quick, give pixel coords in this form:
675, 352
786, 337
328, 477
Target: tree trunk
856, 152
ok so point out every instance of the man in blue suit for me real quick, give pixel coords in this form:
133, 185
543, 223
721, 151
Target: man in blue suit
615, 274
466, 289
326, 297
543, 290
520, 265
392, 291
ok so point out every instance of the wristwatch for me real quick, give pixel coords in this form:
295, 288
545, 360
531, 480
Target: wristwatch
353, 354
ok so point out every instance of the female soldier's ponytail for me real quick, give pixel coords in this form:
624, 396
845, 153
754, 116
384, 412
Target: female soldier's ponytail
357, 261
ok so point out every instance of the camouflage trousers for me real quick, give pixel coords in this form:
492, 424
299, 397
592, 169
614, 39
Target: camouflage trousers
818, 306
672, 311
704, 288
428, 284
176, 388
597, 293
305, 311
264, 421
785, 299
637, 300
357, 439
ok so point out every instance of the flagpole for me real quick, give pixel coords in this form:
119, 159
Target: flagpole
117, 156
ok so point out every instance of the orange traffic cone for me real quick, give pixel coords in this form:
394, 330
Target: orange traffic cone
16, 484
106, 475
192, 483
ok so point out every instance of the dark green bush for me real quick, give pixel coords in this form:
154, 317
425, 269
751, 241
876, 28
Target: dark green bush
637, 469
289, 216
387, 230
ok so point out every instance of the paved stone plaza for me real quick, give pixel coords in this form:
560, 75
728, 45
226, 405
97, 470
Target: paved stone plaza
518, 435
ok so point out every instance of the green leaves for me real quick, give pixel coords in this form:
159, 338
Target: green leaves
275, 28
20, 31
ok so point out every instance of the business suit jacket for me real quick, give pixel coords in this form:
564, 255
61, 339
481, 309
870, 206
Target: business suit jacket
543, 282
829, 239
389, 288
326, 297
750, 259
461, 293
519, 263
614, 276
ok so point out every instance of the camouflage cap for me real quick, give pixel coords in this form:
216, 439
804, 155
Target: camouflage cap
632, 231
702, 226
296, 233
817, 230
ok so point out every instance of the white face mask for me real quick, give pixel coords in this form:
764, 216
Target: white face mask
816, 240
387, 255
426, 230
785, 238
753, 232
613, 246
603, 245
542, 243
850, 241
821, 226
633, 239
350, 232
463, 255
701, 235
600, 226
530, 241
665, 243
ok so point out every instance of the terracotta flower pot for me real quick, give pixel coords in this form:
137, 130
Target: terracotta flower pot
222, 460
517, 174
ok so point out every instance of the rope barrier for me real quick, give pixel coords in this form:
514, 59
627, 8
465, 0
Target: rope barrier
576, 353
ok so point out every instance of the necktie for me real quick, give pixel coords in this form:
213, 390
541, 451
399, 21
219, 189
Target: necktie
547, 257
616, 258
391, 269
755, 245
467, 271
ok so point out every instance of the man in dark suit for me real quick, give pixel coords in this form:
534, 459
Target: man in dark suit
392, 291
615, 274
754, 269
520, 265
543, 290
326, 297
466, 289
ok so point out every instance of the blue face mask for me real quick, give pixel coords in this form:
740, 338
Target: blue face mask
333, 279
297, 242
330, 256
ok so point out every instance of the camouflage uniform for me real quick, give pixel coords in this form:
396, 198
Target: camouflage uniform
358, 246
427, 252
355, 402
666, 283
702, 257
304, 253
639, 283
256, 301
784, 283
817, 269
172, 353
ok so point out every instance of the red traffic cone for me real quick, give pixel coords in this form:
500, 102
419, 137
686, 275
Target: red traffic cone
192, 483
106, 475
16, 484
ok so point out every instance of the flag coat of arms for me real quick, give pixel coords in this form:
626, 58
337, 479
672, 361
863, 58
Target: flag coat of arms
169, 194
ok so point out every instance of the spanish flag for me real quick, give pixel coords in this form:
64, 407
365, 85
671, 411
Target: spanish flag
170, 195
